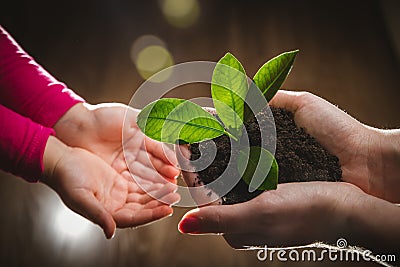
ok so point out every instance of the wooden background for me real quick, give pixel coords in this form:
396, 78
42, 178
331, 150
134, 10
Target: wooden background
347, 55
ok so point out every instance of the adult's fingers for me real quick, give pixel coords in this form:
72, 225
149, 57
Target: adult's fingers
218, 219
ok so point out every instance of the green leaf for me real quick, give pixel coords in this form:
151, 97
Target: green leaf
228, 89
272, 74
258, 168
172, 120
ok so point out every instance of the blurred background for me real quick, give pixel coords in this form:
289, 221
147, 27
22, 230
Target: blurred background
104, 50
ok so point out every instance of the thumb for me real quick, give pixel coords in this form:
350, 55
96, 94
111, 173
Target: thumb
92, 209
286, 99
217, 219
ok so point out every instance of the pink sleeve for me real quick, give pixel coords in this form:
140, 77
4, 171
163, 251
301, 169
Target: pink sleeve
22, 145
28, 89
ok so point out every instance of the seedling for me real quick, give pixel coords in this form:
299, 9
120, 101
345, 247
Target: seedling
173, 120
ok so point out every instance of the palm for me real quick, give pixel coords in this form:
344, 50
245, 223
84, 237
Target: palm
338, 132
124, 147
96, 191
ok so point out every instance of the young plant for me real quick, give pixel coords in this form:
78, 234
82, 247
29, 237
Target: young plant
172, 120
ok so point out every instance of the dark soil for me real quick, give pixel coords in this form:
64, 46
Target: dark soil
300, 157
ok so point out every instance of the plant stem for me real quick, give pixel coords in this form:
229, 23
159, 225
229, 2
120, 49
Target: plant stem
232, 136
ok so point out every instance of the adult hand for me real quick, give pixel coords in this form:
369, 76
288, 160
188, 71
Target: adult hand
90, 187
369, 157
299, 214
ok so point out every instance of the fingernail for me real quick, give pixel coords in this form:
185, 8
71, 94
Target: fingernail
177, 176
108, 236
189, 225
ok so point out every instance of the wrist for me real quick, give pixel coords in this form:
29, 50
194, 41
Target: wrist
78, 118
54, 151
373, 223
384, 164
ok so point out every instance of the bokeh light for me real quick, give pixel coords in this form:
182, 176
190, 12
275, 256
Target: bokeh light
150, 55
144, 41
181, 13
67, 236
153, 59
70, 225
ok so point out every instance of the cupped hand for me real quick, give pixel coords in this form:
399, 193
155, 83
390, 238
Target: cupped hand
302, 213
100, 129
123, 161
294, 214
90, 187
359, 147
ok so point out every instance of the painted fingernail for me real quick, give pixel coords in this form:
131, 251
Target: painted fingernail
189, 225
